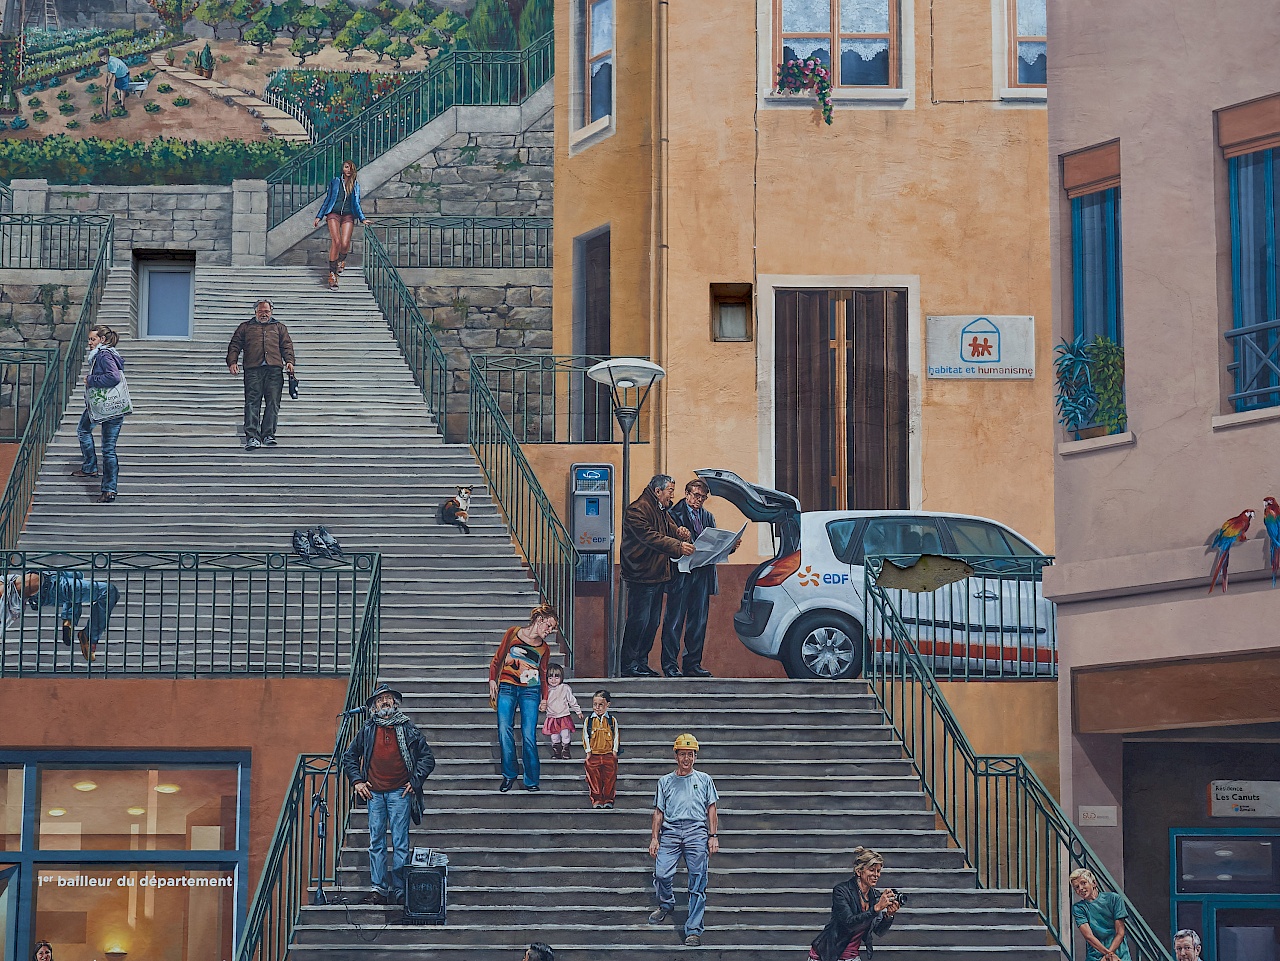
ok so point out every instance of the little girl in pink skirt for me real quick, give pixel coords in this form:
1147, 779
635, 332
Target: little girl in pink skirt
560, 702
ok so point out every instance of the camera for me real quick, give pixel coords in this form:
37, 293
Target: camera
899, 896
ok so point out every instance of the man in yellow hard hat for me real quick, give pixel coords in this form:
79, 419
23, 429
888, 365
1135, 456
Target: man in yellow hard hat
684, 826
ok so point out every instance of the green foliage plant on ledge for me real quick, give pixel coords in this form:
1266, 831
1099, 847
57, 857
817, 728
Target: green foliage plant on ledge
1090, 391
63, 160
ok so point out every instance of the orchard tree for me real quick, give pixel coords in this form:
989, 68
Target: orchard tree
452, 31
535, 22
398, 50
242, 12
386, 11
363, 23
313, 20
339, 13
212, 13
377, 42
303, 47
490, 26
173, 13
347, 40
273, 17
293, 11
407, 24
260, 35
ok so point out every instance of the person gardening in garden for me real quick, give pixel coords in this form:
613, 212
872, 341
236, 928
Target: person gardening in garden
119, 74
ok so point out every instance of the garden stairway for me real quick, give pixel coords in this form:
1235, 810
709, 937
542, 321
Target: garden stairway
359, 452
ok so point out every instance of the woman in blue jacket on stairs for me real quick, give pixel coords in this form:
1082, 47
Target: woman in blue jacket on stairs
105, 371
341, 209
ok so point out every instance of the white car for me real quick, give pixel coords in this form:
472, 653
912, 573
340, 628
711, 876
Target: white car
805, 606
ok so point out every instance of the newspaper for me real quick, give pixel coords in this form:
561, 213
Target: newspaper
712, 547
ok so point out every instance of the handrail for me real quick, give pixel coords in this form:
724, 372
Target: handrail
292, 109
549, 399
421, 350
456, 78
546, 545
51, 401
1256, 350
25, 369
1011, 829
6, 198
187, 613
52, 241
303, 856
482, 242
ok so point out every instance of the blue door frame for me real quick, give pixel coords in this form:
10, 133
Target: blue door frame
28, 859
1211, 903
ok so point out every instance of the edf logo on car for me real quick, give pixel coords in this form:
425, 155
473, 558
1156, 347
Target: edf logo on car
835, 578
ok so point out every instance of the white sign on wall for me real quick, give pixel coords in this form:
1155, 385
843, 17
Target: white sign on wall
978, 347
1098, 816
1244, 799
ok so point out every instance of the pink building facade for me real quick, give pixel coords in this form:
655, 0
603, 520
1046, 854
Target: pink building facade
1164, 139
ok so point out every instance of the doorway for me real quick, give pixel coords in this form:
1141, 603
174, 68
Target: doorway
841, 398
591, 335
1226, 888
166, 299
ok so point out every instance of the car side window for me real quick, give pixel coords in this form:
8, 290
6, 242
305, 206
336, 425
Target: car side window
841, 533
901, 535
1020, 547
975, 537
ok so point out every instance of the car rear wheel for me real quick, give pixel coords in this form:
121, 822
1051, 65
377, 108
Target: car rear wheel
824, 646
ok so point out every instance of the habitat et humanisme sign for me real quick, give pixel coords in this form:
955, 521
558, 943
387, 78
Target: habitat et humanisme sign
981, 347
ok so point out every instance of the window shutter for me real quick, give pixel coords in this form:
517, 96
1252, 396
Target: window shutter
1249, 127
1091, 170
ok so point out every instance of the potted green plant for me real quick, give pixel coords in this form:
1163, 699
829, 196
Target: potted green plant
1090, 388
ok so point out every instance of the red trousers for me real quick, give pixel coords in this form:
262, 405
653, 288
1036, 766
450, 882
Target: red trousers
602, 777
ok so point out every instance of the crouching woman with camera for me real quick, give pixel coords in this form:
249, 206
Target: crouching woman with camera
859, 911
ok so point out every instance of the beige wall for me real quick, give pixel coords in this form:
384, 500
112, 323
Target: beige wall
1132, 520
1019, 717
950, 198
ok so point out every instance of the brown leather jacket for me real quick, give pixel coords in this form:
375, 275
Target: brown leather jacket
649, 541
269, 343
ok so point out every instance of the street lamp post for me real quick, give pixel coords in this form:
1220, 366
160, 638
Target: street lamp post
629, 380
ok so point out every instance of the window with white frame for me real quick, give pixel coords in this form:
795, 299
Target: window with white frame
596, 61
864, 32
1028, 43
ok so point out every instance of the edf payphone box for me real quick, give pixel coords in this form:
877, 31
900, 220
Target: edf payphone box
591, 496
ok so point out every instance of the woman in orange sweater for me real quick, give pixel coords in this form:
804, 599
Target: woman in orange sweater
518, 677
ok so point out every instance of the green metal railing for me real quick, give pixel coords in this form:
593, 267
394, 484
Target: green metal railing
458, 78
1012, 830
51, 400
52, 241
482, 242
418, 344
186, 614
6, 198
549, 399
23, 371
303, 857
546, 545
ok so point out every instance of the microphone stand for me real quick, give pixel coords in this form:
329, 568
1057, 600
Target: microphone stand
320, 806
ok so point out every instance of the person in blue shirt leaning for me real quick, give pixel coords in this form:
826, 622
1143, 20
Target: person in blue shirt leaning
119, 74
341, 209
684, 826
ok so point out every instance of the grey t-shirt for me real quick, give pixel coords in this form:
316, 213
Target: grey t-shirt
685, 798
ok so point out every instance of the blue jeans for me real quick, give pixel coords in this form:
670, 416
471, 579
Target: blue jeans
89, 456
69, 591
688, 840
528, 698
393, 807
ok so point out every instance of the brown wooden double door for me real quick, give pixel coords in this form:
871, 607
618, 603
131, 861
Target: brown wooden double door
840, 398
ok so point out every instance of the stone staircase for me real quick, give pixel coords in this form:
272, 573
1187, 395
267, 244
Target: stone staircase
359, 452
805, 773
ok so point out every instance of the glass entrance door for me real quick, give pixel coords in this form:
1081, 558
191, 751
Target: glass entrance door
1226, 888
167, 304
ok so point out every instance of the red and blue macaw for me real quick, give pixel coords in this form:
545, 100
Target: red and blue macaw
1271, 517
1228, 536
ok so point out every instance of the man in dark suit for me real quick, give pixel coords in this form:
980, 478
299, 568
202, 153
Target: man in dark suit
689, 595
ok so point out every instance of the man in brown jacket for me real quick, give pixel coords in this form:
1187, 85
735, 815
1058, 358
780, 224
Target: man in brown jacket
268, 354
650, 540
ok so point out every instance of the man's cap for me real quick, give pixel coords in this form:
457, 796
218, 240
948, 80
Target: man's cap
686, 742
383, 689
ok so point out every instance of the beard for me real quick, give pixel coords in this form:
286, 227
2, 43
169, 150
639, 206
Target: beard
385, 712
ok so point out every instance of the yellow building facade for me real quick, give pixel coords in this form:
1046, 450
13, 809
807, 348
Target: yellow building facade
784, 271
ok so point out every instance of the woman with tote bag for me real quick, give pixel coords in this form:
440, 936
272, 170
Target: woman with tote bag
106, 402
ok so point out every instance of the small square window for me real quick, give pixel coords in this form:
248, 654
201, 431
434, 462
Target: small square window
731, 313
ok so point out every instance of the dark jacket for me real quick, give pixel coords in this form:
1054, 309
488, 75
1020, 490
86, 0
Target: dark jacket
848, 918
420, 762
682, 514
648, 541
267, 343
108, 368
